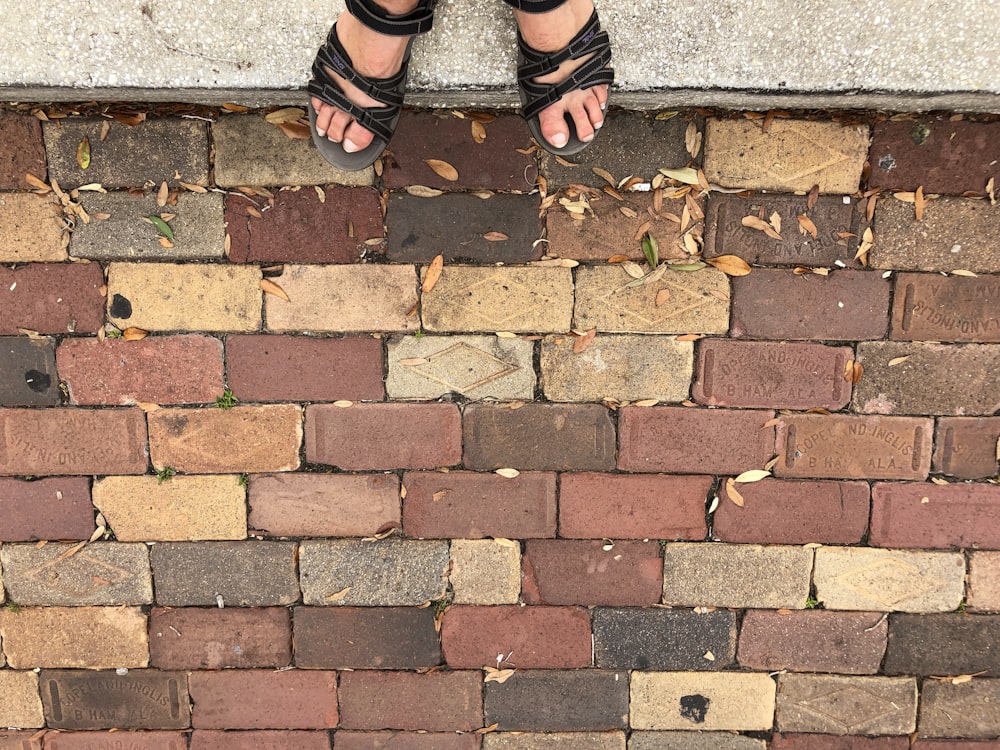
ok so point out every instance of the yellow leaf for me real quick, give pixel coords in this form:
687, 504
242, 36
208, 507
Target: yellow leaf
733, 493
269, 287
731, 265
898, 360
753, 475
969, 274
505, 335
496, 236
507, 473
286, 114
134, 334
83, 153
433, 274
806, 225
443, 169
687, 175
582, 342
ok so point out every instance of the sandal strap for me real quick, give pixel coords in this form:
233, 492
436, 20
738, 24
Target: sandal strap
376, 18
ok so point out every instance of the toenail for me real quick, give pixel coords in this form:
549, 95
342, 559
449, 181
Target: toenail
558, 140
587, 138
321, 132
350, 146
599, 125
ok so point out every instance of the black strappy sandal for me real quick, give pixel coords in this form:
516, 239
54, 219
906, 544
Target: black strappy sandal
380, 121
532, 64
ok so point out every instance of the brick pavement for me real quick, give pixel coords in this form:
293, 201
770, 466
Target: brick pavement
497, 509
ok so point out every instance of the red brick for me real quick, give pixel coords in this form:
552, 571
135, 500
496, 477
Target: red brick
158, 370
19, 741
955, 745
772, 513
298, 227
931, 515
62, 441
347, 740
301, 368
831, 742
196, 638
597, 506
52, 298
384, 436
115, 740
967, 446
262, 699
528, 637
23, 150
435, 701
56, 508
930, 307
681, 439
263, 739
777, 304
779, 375
470, 505
813, 641
567, 571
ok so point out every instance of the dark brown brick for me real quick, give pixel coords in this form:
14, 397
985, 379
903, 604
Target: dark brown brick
113, 740
158, 370
943, 644
813, 641
301, 368
680, 439
53, 508
469, 505
588, 700
19, 741
566, 571
772, 513
931, 307
539, 436
779, 375
964, 710
193, 638
368, 436
777, 304
23, 150
833, 742
365, 638
28, 372
348, 740
435, 701
529, 637
931, 515
598, 506
261, 739
966, 446
141, 699
664, 639
51, 298
264, 699
934, 153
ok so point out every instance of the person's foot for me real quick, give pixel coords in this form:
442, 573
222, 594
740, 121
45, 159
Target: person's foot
550, 32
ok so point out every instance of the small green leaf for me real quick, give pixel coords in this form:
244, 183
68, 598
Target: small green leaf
227, 400
696, 266
83, 153
651, 250
161, 226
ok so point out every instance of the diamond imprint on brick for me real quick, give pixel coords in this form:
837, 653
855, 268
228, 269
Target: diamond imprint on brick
850, 707
819, 157
640, 303
79, 575
448, 366
889, 582
512, 297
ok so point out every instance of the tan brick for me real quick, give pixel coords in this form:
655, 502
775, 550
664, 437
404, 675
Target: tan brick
702, 701
485, 571
889, 580
694, 741
30, 228
698, 302
984, 581
221, 441
486, 299
792, 155
188, 297
344, 298
20, 705
144, 509
832, 704
626, 368
75, 637
554, 741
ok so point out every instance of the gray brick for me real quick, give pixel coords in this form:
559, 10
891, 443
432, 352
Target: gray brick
943, 644
831, 704
664, 639
966, 710
588, 700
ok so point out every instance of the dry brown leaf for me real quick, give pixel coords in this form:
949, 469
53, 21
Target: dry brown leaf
105, 129
755, 222
692, 206
438, 495
939, 480
285, 114
968, 274
496, 236
604, 175
566, 162
422, 191
162, 193
906, 197
229, 107
134, 334
692, 140
998, 449
990, 192
505, 335
433, 274
442, 169
582, 342
853, 371
164, 242
36, 183
507, 473
269, 287
690, 336
733, 493
632, 269
254, 212
297, 131
806, 225
753, 475
919, 203
629, 212
870, 208
812, 197
618, 258
321, 194
775, 221
898, 360
413, 361
662, 297
491, 728
731, 265
478, 131
498, 675
867, 243
337, 596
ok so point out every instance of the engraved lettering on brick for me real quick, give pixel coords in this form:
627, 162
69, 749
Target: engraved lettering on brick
19, 445
957, 306
98, 702
80, 575
902, 450
889, 582
464, 368
723, 376
849, 707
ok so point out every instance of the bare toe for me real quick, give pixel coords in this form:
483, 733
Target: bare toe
553, 126
356, 138
338, 124
594, 112
581, 121
323, 114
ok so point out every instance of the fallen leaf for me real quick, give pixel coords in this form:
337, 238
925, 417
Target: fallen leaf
162, 194
666, 115
443, 169
496, 236
36, 183
655, 275
229, 107
687, 175
632, 269
755, 222
812, 197
413, 361
604, 175
105, 129
286, 114
696, 266
853, 371
939, 480
990, 192
731, 265
478, 131
906, 197
919, 203
582, 342
753, 475
161, 226
491, 728
661, 297
647, 402
337, 596
692, 140
297, 131
147, 406
422, 191
618, 259
164, 242
867, 243
870, 208
269, 287
898, 360
83, 153
498, 675
566, 162
690, 336
254, 212
775, 221
968, 274
505, 335
344, 404
806, 225
433, 274
555, 263
438, 495
733, 493
708, 655
507, 473
134, 334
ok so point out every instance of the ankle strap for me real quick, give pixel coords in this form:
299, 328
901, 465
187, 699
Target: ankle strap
375, 17
534, 6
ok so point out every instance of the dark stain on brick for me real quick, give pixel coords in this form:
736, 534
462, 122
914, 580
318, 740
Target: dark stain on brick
37, 381
121, 307
694, 707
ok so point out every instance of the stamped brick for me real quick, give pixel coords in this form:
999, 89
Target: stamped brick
471, 505
813, 641
31, 229
530, 637
477, 367
28, 372
484, 299
61, 441
889, 580
435, 702
140, 699
984, 581
765, 374
51, 298
50, 508
966, 710
619, 506
778, 304
841, 445
251, 151
832, 704
264, 699
693, 741
791, 155
736, 575
348, 740
155, 150
366, 638
144, 509
795, 741
74, 637
388, 573
243, 574
367, 436
539, 437
24, 152
286, 230
216, 441
698, 302
589, 700
112, 740
678, 439
13, 740
157, 369
485, 571
663, 639
323, 504
931, 515
344, 298
20, 705
554, 741
930, 307
942, 644
260, 739
966, 447
569, 571
195, 638
701, 701
187, 297
772, 513
301, 368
